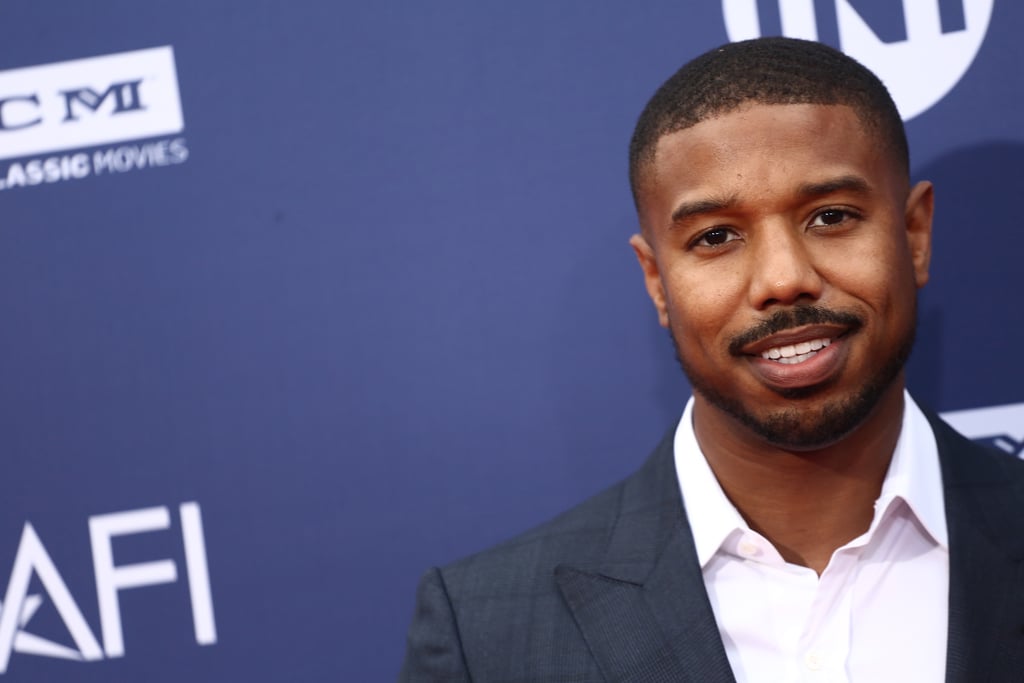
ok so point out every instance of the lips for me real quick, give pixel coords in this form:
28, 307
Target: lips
799, 358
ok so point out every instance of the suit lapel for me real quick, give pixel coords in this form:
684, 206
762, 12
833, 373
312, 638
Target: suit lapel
646, 617
643, 610
984, 498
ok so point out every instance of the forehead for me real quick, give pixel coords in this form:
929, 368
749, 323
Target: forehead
762, 152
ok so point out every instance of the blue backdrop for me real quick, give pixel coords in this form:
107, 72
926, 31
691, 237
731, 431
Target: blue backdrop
367, 304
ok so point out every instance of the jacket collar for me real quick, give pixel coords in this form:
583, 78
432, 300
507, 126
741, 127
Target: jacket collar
646, 617
985, 516
642, 608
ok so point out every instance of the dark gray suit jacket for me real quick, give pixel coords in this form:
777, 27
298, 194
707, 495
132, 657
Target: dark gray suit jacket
612, 591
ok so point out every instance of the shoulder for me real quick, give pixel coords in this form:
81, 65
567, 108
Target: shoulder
580, 536
495, 612
577, 535
983, 488
969, 463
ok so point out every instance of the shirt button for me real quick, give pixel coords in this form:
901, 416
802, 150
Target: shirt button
748, 548
813, 661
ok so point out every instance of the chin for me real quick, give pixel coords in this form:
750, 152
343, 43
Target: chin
807, 424
800, 428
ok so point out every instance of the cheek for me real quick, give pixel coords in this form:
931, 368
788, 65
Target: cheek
876, 271
701, 308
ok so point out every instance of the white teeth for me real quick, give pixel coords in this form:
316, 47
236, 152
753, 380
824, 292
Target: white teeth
795, 353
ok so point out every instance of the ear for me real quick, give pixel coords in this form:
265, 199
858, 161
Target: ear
918, 217
652, 276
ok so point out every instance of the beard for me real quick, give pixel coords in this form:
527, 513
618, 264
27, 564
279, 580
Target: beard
802, 427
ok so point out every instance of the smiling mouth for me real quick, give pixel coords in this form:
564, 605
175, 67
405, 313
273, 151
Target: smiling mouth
792, 354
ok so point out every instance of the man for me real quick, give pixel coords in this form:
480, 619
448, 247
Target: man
805, 520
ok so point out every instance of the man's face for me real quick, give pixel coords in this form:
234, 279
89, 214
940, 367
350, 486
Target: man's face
783, 250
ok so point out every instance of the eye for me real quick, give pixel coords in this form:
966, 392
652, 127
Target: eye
831, 217
715, 237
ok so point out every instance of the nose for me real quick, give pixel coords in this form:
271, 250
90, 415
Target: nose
783, 269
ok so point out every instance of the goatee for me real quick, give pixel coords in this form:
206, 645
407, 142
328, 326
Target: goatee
799, 427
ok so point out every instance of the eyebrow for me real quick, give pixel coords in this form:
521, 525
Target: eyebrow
700, 207
846, 183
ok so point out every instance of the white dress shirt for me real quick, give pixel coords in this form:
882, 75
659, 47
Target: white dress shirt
879, 610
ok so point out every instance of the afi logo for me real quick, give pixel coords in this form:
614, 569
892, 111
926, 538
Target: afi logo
84, 102
18, 607
897, 39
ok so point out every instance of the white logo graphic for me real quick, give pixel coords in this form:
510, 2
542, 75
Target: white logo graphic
87, 102
18, 607
928, 55
101, 100
999, 426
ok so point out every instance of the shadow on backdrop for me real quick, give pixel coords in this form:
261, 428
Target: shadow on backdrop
970, 309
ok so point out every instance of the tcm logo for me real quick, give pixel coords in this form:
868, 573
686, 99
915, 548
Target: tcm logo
999, 426
897, 39
89, 102
19, 606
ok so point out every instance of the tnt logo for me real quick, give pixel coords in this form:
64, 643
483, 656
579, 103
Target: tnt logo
85, 102
998, 426
897, 40
18, 606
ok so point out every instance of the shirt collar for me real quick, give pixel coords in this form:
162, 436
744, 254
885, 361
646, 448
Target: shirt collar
914, 477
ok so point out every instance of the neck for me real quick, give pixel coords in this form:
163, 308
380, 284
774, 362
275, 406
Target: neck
807, 503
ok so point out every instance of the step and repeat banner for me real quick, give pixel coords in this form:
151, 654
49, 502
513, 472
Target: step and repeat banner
299, 299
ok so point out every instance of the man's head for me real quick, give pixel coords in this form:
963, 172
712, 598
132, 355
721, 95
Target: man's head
765, 71
781, 243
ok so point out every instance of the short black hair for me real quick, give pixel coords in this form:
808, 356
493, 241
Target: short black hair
765, 71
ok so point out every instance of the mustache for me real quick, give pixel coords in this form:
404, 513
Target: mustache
789, 318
